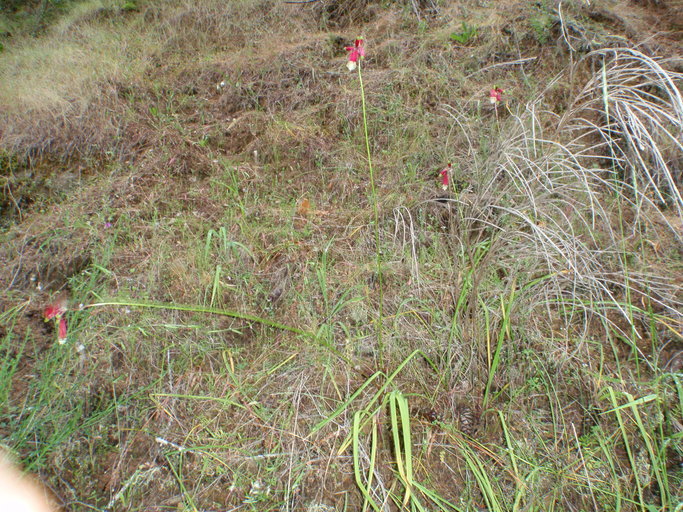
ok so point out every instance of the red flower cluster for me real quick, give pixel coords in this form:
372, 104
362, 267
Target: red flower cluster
444, 176
496, 95
57, 310
356, 52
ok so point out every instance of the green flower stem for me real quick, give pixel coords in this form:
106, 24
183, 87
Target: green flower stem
201, 309
373, 194
214, 311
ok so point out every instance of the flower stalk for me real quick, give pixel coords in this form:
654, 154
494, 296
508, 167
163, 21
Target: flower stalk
356, 55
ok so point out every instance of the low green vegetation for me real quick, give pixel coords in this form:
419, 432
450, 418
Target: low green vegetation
466, 33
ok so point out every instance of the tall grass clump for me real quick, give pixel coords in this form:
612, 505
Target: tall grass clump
628, 119
547, 245
546, 207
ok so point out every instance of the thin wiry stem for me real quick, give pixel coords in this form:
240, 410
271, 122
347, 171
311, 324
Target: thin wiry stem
375, 211
201, 309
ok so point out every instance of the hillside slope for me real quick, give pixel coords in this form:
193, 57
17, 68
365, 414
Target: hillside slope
450, 279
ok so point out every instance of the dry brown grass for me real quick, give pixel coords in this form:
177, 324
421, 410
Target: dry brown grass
57, 95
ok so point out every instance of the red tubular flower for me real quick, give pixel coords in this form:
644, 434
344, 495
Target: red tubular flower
57, 310
356, 52
62, 330
496, 95
444, 176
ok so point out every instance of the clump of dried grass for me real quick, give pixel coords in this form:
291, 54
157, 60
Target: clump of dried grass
555, 221
630, 113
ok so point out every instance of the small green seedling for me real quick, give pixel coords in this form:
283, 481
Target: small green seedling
466, 34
